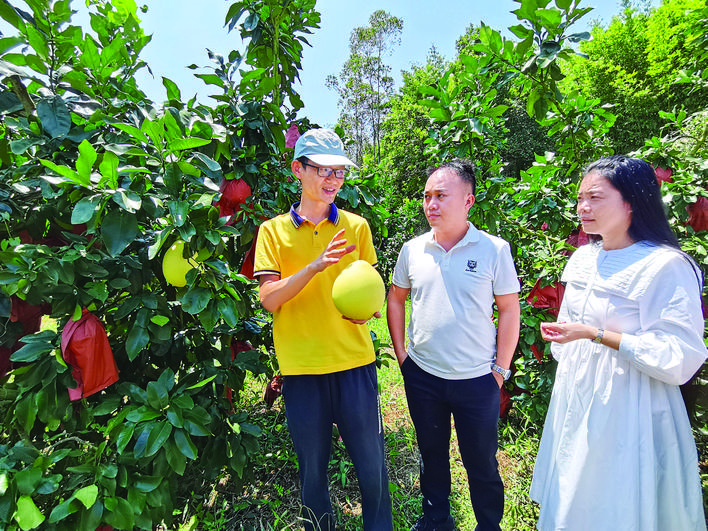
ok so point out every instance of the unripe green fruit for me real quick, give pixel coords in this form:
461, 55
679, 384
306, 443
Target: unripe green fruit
358, 292
175, 267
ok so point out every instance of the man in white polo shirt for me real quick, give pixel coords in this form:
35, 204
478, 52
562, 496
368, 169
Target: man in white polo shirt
456, 360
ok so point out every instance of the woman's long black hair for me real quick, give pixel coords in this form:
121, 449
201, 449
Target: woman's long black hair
635, 180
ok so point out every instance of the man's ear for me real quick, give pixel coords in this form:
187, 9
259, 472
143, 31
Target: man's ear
296, 167
469, 201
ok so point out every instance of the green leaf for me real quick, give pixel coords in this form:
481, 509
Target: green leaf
138, 338
124, 437
173, 178
167, 379
440, 114
127, 200
172, 89
521, 31
120, 514
10, 15
549, 50
65, 172
64, 509
210, 163
427, 90
87, 495
157, 395
209, 316
85, 209
142, 414
496, 112
550, 18
159, 433
26, 412
91, 519
118, 230
86, 468
174, 415
160, 320
28, 516
55, 116
98, 290
141, 441
9, 103
202, 383
109, 168
238, 460
531, 102
175, 458
108, 404
109, 470
132, 131
196, 428
28, 479
582, 36
184, 444
19, 147
187, 143
31, 352
155, 131
184, 401
172, 128
211, 79
179, 211
229, 311
195, 300
147, 483
87, 158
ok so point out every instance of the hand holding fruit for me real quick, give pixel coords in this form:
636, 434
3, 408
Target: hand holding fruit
362, 321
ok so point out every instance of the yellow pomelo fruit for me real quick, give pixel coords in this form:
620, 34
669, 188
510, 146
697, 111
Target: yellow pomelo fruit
358, 292
175, 267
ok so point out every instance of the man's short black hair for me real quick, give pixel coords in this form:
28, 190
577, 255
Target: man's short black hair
463, 167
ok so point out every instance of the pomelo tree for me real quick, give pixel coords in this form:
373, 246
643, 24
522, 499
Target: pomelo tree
468, 106
97, 184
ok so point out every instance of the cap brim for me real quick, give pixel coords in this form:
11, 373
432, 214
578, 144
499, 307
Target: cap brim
331, 160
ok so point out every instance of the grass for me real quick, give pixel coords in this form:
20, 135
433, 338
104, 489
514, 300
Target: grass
270, 499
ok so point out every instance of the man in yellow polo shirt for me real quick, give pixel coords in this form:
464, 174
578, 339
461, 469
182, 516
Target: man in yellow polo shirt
327, 361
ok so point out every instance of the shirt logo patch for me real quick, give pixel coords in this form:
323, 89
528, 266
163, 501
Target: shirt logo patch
471, 266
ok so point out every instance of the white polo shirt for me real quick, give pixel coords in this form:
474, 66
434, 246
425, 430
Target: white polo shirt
451, 333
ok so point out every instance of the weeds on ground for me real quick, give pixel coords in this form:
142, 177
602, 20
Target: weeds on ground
269, 500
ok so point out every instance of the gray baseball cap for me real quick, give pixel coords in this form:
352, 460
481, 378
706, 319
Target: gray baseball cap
323, 147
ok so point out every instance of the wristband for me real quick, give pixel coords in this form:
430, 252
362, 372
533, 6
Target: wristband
506, 373
598, 336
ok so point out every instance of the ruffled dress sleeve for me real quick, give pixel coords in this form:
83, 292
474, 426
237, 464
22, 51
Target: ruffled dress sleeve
669, 343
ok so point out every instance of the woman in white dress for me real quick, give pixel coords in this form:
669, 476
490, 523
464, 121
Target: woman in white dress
617, 451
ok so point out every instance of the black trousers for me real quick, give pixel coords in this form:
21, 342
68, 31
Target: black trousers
351, 400
474, 404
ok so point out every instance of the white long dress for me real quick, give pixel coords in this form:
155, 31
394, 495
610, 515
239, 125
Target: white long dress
617, 451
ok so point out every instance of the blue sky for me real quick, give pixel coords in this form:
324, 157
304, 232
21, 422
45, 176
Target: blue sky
182, 30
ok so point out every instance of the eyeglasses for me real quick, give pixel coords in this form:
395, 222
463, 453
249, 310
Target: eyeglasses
327, 172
